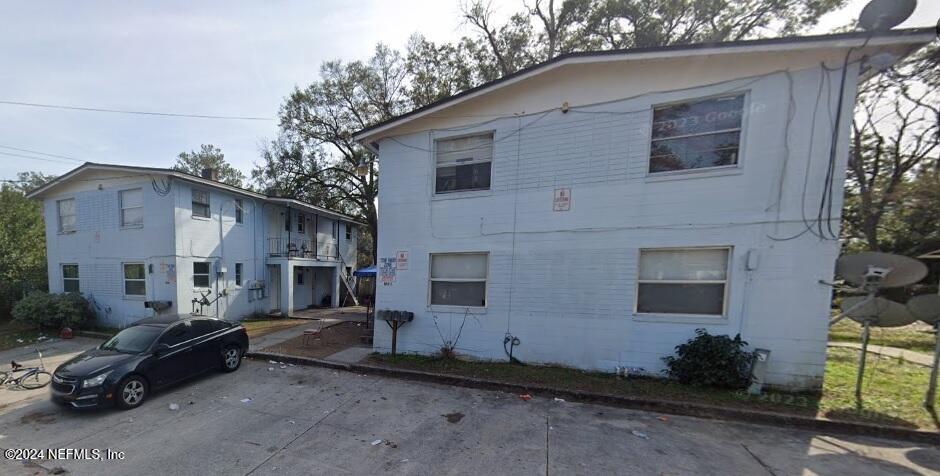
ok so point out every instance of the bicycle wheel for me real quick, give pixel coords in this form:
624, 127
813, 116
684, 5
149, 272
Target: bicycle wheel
36, 380
3, 377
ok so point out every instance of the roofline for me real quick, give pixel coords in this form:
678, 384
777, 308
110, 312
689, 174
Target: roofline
850, 39
38, 192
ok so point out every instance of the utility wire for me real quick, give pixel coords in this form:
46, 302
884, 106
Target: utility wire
142, 113
41, 153
35, 158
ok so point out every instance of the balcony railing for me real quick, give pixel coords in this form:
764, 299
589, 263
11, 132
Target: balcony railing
302, 248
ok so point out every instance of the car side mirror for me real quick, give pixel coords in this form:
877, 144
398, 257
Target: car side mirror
161, 349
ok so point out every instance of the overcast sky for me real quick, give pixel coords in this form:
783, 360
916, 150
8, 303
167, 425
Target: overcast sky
231, 58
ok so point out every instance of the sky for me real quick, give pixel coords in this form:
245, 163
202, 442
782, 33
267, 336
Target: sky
231, 58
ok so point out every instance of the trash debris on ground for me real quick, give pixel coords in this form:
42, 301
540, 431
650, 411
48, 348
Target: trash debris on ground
454, 417
376, 442
640, 434
559, 400
20, 341
246, 400
272, 361
662, 418
525, 397
270, 369
283, 366
291, 422
174, 407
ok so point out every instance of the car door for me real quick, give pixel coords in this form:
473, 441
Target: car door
207, 346
175, 363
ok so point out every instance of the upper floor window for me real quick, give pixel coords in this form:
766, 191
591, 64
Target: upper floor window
239, 205
458, 279
301, 225
70, 278
201, 204
135, 279
132, 207
66, 210
349, 228
696, 135
463, 163
201, 274
683, 281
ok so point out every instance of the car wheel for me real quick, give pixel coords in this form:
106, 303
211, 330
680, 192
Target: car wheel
231, 358
131, 392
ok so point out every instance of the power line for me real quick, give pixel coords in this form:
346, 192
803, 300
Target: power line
35, 158
41, 153
124, 111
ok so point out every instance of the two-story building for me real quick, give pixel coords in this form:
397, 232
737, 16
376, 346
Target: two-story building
137, 241
600, 207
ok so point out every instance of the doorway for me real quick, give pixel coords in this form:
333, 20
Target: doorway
274, 275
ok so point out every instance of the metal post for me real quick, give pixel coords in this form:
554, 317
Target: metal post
394, 337
932, 388
861, 361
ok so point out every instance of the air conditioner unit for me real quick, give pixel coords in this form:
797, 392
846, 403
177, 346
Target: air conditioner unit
220, 268
256, 284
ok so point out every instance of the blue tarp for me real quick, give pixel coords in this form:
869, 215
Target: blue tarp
365, 272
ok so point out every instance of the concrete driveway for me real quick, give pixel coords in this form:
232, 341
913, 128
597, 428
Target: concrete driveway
316, 421
54, 352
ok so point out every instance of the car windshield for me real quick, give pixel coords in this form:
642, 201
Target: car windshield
133, 340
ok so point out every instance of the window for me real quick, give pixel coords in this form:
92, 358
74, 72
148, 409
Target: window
201, 204
463, 163
287, 221
300, 223
458, 279
300, 276
132, 207
135, 283
66, 215
239, 218
201, 274
238, 274
70, 278
349, 231
178, 334
683, 281
696, 135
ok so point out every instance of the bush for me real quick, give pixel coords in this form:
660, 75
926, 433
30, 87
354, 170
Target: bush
714, 361
53, 310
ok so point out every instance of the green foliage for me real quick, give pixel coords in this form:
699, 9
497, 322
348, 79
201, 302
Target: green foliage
22, 241
53, 310
209, 157
712, 361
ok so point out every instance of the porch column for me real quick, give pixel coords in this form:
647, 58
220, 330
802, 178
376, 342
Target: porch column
287, 288
336, 287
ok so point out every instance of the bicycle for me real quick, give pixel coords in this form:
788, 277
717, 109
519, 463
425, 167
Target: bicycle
33, 378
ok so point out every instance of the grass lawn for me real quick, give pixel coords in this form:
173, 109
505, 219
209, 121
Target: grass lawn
916, 337
893, 389
260, 327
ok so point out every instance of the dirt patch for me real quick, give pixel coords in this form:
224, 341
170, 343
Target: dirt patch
453, 417
38, 417
332, 340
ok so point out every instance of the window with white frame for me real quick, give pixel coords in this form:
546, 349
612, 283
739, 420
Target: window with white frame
349, 228
301, 223
132, 207
463, 163
697, 134
691, 281
201, 270
458, 279
238, 274
201, 204
135, 279
239, 205
66, 211
70, 278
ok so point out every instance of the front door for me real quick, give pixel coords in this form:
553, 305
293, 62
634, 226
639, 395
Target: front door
274, 272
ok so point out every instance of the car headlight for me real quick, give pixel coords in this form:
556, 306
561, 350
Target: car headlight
95, 381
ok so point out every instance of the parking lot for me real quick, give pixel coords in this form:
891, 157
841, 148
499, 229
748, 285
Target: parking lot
265, 419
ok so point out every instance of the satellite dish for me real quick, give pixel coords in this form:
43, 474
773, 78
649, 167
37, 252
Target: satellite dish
878, 312
883, 15
925, 307
882, 270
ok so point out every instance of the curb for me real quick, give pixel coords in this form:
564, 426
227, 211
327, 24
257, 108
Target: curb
93, 334
662, 406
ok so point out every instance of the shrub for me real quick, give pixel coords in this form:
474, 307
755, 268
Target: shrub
53, 310
710, 360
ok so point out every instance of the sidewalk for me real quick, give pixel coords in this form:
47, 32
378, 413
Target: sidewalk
911, 356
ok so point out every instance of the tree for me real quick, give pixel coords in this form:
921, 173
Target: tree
209, 157
22, 241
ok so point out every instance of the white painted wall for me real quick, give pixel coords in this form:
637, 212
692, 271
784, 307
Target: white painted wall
564, 282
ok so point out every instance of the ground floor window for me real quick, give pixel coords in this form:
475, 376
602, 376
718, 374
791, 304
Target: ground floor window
135, 279
458, 279
70, 278
300, 276
201, 274
238, 274
690, 281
